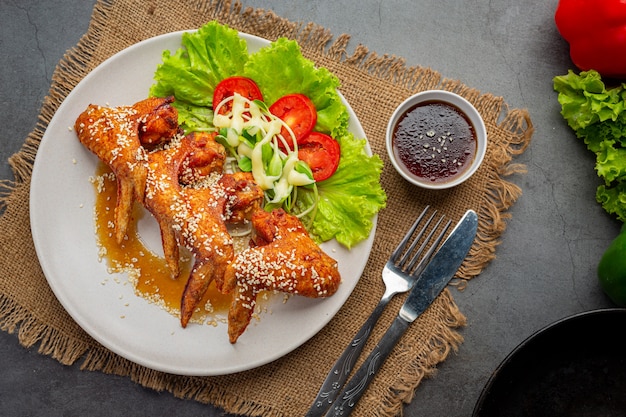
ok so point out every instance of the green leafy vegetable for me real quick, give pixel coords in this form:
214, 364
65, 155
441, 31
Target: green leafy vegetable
597, 115
350, 198
280, 69
208, 56
196, 118
344, 204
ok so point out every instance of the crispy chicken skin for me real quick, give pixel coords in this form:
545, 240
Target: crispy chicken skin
245, 197
283, 258
164, 192
230, 199
214, 202
180, 181
114, 135
195, 215
207, 157
205, 234
160, 122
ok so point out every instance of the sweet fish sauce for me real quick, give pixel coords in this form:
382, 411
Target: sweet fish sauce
435, 141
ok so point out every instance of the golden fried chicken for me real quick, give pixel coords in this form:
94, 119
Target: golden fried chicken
159, 122
284, 258
195, 215
207, 157
164, 198
215, 201
245, 197
113, 135
180, 181
205, 234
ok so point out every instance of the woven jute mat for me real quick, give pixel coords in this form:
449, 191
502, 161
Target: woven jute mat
374, 85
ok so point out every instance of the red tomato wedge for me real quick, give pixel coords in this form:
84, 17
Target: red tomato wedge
298, 112
321, 152
229, 86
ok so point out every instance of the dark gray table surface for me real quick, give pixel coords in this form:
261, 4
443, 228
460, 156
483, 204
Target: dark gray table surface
545, 266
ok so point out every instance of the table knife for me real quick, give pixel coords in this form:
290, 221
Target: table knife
433, 280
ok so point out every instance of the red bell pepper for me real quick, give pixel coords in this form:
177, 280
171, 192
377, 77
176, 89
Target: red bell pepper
596, 33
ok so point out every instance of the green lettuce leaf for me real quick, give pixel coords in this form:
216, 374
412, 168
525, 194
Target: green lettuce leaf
209, 55
280, 69
613, 200
195, 118
350, 198
597, 115
611, 162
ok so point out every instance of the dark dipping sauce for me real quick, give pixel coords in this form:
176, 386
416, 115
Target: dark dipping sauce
435, 141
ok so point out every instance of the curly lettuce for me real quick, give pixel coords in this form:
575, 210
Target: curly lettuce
208, 56
350, 198
280, 69
347, 201
596, 113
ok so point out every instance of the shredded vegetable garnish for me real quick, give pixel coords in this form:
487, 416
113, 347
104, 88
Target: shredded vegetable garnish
252, 136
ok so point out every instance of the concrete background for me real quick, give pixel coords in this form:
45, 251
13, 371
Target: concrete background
545, 266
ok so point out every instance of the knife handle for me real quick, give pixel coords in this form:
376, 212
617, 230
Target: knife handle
345, 364
355, 389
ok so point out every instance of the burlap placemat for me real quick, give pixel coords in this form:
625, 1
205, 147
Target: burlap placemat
374, 85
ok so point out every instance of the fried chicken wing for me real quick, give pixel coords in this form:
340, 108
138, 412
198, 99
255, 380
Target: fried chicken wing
208, 157
159, 122
214, 201
205, 234
245, 197
195, 215
113, 135
164, 191
163, 196
285, 259
191, 217
180, 181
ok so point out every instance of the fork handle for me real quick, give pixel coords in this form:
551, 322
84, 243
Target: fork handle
344, 365
355, 389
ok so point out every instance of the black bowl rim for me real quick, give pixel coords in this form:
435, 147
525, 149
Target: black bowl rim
484, 395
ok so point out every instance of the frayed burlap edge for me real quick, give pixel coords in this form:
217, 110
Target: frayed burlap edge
76, 63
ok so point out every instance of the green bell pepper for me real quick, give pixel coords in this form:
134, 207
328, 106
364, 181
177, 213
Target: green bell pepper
612, 269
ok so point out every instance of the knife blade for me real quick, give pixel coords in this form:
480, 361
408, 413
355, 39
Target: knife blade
431, 282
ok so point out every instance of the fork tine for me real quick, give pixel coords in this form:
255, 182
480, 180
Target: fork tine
417, 270
416, 240
400, 248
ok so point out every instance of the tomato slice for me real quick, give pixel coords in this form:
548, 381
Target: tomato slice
231, 85
298, 112
321, 152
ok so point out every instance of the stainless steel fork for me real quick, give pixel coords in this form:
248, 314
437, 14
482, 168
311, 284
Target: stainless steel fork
399, 274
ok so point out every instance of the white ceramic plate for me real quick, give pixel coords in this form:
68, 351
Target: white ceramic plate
105, 305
